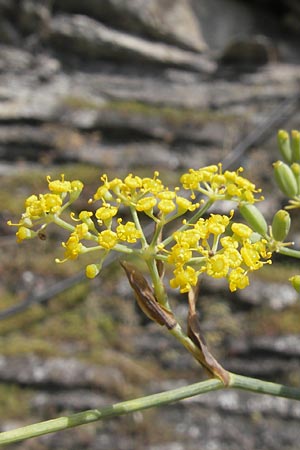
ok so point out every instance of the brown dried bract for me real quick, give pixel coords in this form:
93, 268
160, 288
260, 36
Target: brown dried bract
205, 358
146, 299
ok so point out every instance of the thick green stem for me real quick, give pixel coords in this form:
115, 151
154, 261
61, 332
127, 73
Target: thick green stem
289, 252
130, 406
263, 387
158, 286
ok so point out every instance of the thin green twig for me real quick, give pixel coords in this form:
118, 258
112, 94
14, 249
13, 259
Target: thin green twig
130, 406
289, 252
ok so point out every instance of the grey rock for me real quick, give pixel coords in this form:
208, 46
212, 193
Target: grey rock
128, 155
8, 33
34, 371
221, 21
284, 346
74, 400
14, 59
276, 295
245, 403
34, 16
171, 21
90, 39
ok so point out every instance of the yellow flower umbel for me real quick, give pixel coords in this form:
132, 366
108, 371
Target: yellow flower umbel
218, 185
46, 208
215, 246
205, 249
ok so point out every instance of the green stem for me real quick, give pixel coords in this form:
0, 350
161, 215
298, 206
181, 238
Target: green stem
61, 223
130, 406
263, 387
289, 252
159, 289
156, 235
138, 226
160, 399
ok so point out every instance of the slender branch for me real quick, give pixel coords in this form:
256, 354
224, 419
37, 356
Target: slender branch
263, 387
163, 398
289, 252
159, 289
138, 226
63, 423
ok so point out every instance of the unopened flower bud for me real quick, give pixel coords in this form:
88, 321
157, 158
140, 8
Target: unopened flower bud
295, 146
296, 171
281, 225
285, 179
92, 270
254, 218
295, 280
76, 189
25, 233
284, 144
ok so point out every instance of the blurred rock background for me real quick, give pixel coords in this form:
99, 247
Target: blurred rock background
142, 85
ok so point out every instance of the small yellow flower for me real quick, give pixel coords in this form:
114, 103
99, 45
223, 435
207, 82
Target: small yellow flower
179, 254
233, 190
76, 185
81, 230
201, 226
153, 185
92, 270
103, 192
128, 232
107, 239
133, 182
238, 279
189, 238
34, 207
45, 204
229, 242
105, 214
184, 278
251, 256
51, 203
166, 195
218, 181
146, 204
241, 230
73, 247
59, 186
85, 215
190, 180
217, 266
184, 204
217, 223
24, 233
166, 206
233, 257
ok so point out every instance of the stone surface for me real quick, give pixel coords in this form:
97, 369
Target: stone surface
34, 371
90, 39
168, 21
125, 86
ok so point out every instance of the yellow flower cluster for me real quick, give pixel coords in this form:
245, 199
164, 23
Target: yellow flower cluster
211, 181
142, 194
212, 246
43, 209
209, 247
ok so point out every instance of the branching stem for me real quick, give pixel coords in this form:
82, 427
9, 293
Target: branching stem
139, 404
